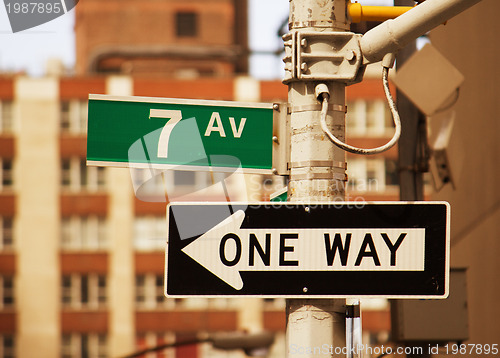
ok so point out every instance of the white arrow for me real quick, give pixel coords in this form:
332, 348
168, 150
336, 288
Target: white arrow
226, 249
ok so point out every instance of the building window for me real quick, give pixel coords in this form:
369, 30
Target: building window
366, 175
375, 117
186, 24
355, 118
154, 185
83, 233
149, 292
140, 290
7, 346
274, 304
84, 291
391, 172
6, 233
76, 176
186, 182
148, 184
73, 116
6, 173
88, 345
7, 292
368, 118
6, 116
150, 233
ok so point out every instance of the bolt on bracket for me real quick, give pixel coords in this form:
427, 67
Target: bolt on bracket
281, 139
322, 56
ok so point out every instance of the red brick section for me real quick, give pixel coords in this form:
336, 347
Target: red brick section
84, 322
6, 88
73, 146
84, 263
273, 91
7, 146
151, 262
7, 204
274, 321
211, 89
186, 351
80, 88
376, 321
84, 204
7, 264
149, 207
8, 322
185, 321
370, 88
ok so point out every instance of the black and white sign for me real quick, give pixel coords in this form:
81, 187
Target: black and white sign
387, 249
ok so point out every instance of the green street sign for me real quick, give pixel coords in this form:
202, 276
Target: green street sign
165, 133
280, 196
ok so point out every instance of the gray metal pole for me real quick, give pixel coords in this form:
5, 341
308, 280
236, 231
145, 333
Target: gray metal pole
317, 174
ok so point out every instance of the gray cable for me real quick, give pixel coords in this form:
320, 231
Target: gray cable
355, 150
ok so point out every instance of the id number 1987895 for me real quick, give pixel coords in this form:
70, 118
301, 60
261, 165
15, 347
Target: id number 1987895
33, 8
471, 349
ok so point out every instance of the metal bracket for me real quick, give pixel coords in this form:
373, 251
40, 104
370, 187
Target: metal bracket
322, 56
327, 176
317, 107
281, 139
319, 163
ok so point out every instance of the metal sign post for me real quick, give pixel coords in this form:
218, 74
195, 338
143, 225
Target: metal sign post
317, 168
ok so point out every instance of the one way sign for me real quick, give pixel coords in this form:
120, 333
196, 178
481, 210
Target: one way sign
394, 249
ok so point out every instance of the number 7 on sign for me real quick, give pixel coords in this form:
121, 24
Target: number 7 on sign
175, 116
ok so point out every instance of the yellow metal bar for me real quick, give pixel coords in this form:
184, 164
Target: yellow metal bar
359, 13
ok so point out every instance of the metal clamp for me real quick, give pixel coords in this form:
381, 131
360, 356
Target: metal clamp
317, 107
312, 175
318, 164
322, 56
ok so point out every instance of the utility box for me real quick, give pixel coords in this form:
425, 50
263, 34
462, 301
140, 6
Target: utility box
429, 80
433, 320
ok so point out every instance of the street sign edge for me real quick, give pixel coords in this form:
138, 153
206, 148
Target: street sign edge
340, 202
183, 101
181, 167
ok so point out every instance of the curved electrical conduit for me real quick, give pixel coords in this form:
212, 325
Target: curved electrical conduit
322, 92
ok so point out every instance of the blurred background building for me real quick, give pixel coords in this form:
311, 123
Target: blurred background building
82, 257
168, 38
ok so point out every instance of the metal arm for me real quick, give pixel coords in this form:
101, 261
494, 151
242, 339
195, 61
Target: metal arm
393, 35
358, 12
